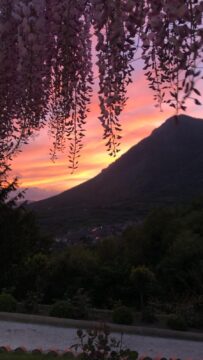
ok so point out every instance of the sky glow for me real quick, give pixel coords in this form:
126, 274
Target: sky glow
43, 178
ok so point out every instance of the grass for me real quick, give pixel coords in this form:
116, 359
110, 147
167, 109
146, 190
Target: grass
14, 356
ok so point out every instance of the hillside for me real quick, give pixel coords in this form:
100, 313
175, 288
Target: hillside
163, 168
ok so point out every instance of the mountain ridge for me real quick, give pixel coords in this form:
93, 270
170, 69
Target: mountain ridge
165, 167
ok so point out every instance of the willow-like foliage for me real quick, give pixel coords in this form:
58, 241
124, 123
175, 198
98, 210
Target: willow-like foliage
46, 75
172, 50
72, 76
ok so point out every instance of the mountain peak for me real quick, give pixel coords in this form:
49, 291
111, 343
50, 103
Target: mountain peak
164, 168
182, 120
181, 129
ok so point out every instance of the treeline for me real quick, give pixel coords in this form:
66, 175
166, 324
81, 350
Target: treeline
159, 260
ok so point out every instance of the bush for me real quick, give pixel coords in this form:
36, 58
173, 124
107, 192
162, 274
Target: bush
195, 321
122, 315
62, 309
97, 344
177, 322
7, 303
148, 316
31, 303
81, 304
75, 308
132, 355
198, 305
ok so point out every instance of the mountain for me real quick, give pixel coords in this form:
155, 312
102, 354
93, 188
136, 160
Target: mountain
164, 168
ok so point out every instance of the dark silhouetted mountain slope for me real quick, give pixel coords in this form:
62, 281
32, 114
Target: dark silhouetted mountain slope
163, 168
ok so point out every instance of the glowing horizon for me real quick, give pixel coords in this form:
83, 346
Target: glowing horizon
44, 178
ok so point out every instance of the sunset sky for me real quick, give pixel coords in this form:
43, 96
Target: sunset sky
43, 178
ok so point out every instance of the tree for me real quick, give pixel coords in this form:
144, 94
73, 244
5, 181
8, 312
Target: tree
20, 238
46, 72
142, 280
181, 270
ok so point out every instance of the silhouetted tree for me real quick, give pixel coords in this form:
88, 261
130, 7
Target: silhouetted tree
19, 234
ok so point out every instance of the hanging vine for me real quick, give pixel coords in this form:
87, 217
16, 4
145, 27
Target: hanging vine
46, 75
172, 50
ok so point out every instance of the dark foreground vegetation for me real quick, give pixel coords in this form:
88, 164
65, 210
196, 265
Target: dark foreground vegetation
155, 267
28, 356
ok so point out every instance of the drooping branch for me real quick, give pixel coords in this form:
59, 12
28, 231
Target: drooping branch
46, 67
8, 65
71, 76
172, 47
115, 48
24, 74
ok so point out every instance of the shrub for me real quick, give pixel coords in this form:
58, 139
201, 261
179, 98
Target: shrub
132, 355
31, 303
75, 308
62, 309
198, 305
7, 303
195, 321
177, 322
122, 315
98, 344
81, 304
148, 316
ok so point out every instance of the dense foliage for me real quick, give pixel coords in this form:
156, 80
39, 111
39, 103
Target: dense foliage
122, 315
20, 239
157, 261
7, 303
46, 74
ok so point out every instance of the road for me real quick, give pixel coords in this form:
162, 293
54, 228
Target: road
47, 337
